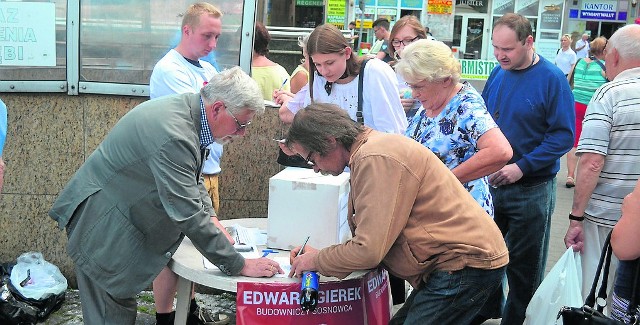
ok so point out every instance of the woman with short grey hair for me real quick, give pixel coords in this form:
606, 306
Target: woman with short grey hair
453, 121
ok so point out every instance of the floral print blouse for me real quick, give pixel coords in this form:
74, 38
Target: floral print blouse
453, 136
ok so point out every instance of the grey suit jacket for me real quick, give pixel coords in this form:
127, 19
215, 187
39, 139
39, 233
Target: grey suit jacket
127, 207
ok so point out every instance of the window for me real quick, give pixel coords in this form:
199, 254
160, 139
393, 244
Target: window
19, 35
115, 45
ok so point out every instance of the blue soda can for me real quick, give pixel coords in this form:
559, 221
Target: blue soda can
309, 294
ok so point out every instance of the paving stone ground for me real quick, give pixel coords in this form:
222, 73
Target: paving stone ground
71, 314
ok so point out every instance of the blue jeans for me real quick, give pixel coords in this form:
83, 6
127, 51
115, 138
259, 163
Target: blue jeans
449, 297
523, 214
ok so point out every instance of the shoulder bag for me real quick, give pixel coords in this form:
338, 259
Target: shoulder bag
602, 66
591, 312
359, 116
573, 73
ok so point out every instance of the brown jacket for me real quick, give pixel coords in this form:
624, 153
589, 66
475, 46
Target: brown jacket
410, 213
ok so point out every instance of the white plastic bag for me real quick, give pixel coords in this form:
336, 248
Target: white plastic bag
561, 287
36, 278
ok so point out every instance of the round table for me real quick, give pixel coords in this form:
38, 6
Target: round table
188, 265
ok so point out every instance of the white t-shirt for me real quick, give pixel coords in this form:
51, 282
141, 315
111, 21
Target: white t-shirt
585, 51
381, 107
565, 59
173, 74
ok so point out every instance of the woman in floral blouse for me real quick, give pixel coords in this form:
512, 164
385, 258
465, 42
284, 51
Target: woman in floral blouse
453, 121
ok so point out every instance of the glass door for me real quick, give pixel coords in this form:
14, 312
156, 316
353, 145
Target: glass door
469, 36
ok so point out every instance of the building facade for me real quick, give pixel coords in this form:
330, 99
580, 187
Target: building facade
466, 24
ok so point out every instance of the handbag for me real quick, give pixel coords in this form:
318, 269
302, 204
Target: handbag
591, 312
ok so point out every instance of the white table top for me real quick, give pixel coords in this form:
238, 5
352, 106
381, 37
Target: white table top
187, 263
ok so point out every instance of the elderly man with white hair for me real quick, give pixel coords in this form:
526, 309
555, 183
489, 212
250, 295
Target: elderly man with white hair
609, 166
133, 200
583, 47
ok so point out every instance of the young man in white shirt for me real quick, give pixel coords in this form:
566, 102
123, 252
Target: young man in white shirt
180, 71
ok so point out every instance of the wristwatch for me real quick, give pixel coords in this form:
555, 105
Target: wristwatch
576, 218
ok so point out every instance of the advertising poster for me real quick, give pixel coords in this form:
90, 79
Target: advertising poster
336, 11
440, 7
357, 301
528, 7
27, 34
501, 7
551, 17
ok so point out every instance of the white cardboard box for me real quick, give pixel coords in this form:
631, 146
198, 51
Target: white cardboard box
303, 203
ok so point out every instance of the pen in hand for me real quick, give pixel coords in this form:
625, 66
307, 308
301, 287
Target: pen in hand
303, 245
292, 273
283, 83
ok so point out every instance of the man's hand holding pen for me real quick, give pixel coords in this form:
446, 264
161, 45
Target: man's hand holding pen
305, 261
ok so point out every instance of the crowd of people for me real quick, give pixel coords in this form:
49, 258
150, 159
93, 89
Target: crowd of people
502, 146
451, 189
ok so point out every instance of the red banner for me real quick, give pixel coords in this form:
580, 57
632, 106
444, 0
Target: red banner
356, 301
377, 297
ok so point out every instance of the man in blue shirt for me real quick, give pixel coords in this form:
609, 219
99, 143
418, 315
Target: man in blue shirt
531, 102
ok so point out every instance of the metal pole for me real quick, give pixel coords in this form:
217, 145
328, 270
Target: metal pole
361, 6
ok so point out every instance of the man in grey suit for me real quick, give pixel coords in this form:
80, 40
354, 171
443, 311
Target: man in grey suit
130, 204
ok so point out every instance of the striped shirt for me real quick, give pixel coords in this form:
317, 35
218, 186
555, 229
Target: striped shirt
612, 128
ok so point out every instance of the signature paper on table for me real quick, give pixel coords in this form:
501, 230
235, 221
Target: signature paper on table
254, 253
268, 103
282, 260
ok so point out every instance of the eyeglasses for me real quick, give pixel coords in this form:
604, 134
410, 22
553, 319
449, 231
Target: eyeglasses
604, 49
416, 87
405, 42
309, 161
240, 125
425, 83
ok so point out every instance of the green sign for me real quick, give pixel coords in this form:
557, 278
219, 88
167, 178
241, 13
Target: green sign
417, 4
309, 3
387, 3
477, 69
336, 11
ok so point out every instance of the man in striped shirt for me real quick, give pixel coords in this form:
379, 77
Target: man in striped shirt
609, 164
